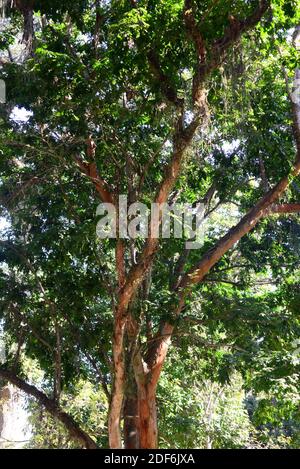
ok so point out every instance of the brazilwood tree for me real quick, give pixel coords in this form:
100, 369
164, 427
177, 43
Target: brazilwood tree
132, 97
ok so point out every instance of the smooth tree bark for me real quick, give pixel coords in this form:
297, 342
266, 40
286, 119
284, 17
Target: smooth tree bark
148, 415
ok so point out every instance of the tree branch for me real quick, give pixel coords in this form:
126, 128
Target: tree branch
90, 170
26, 8
163, 80
219, 47
120, 262
295, 100
74, 430
237, 27
193, 30
182, 140
285, 208
249, 221
166, 87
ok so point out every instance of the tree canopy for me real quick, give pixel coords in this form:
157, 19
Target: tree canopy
165, 101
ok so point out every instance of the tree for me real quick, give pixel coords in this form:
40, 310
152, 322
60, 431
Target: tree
119, 106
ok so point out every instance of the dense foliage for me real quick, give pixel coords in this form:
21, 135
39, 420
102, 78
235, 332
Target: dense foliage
102, 99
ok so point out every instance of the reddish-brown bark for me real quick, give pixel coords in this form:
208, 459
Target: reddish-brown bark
148, 416
285, 208
117, 394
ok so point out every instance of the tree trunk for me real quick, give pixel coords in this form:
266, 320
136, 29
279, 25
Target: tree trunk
134, 387
26, 8
140, 419
131, 405
117, 395
131, 423
148, 416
